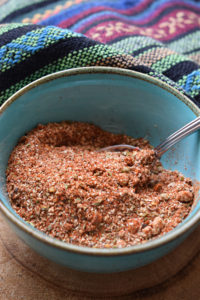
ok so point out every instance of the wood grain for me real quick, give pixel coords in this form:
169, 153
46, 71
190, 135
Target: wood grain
26, 275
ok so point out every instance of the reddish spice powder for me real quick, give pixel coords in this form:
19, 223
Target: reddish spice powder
59, 183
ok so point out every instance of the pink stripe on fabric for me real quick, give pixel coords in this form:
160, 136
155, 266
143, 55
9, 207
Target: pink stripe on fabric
175, 23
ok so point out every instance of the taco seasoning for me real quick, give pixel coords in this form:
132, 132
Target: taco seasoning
59, 183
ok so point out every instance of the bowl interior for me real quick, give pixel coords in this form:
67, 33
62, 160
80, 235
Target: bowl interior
116, 102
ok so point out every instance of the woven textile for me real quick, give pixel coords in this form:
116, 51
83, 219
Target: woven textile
160, 38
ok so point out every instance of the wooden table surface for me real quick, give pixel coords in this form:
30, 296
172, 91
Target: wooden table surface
26, 275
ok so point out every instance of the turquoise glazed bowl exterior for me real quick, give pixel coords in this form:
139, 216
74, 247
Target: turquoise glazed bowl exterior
119, 101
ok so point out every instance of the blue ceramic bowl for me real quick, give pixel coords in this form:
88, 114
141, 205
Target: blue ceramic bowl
119, 101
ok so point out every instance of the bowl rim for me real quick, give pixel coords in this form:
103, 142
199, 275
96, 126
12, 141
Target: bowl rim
139, 248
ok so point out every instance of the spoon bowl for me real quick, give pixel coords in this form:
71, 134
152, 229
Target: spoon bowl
170, 141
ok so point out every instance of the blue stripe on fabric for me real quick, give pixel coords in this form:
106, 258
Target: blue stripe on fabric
189, 86
22, 46
68, 13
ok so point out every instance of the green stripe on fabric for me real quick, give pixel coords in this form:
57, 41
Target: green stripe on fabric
168, 62
187, 43
7, 27
35, 11
182, 45
130, 44
10, 6
195, 53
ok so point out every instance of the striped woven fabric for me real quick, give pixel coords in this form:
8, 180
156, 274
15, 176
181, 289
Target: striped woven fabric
160, 38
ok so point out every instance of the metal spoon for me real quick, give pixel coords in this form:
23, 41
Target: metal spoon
167, 143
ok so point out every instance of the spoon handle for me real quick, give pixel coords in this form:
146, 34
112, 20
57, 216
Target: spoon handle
177, 136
